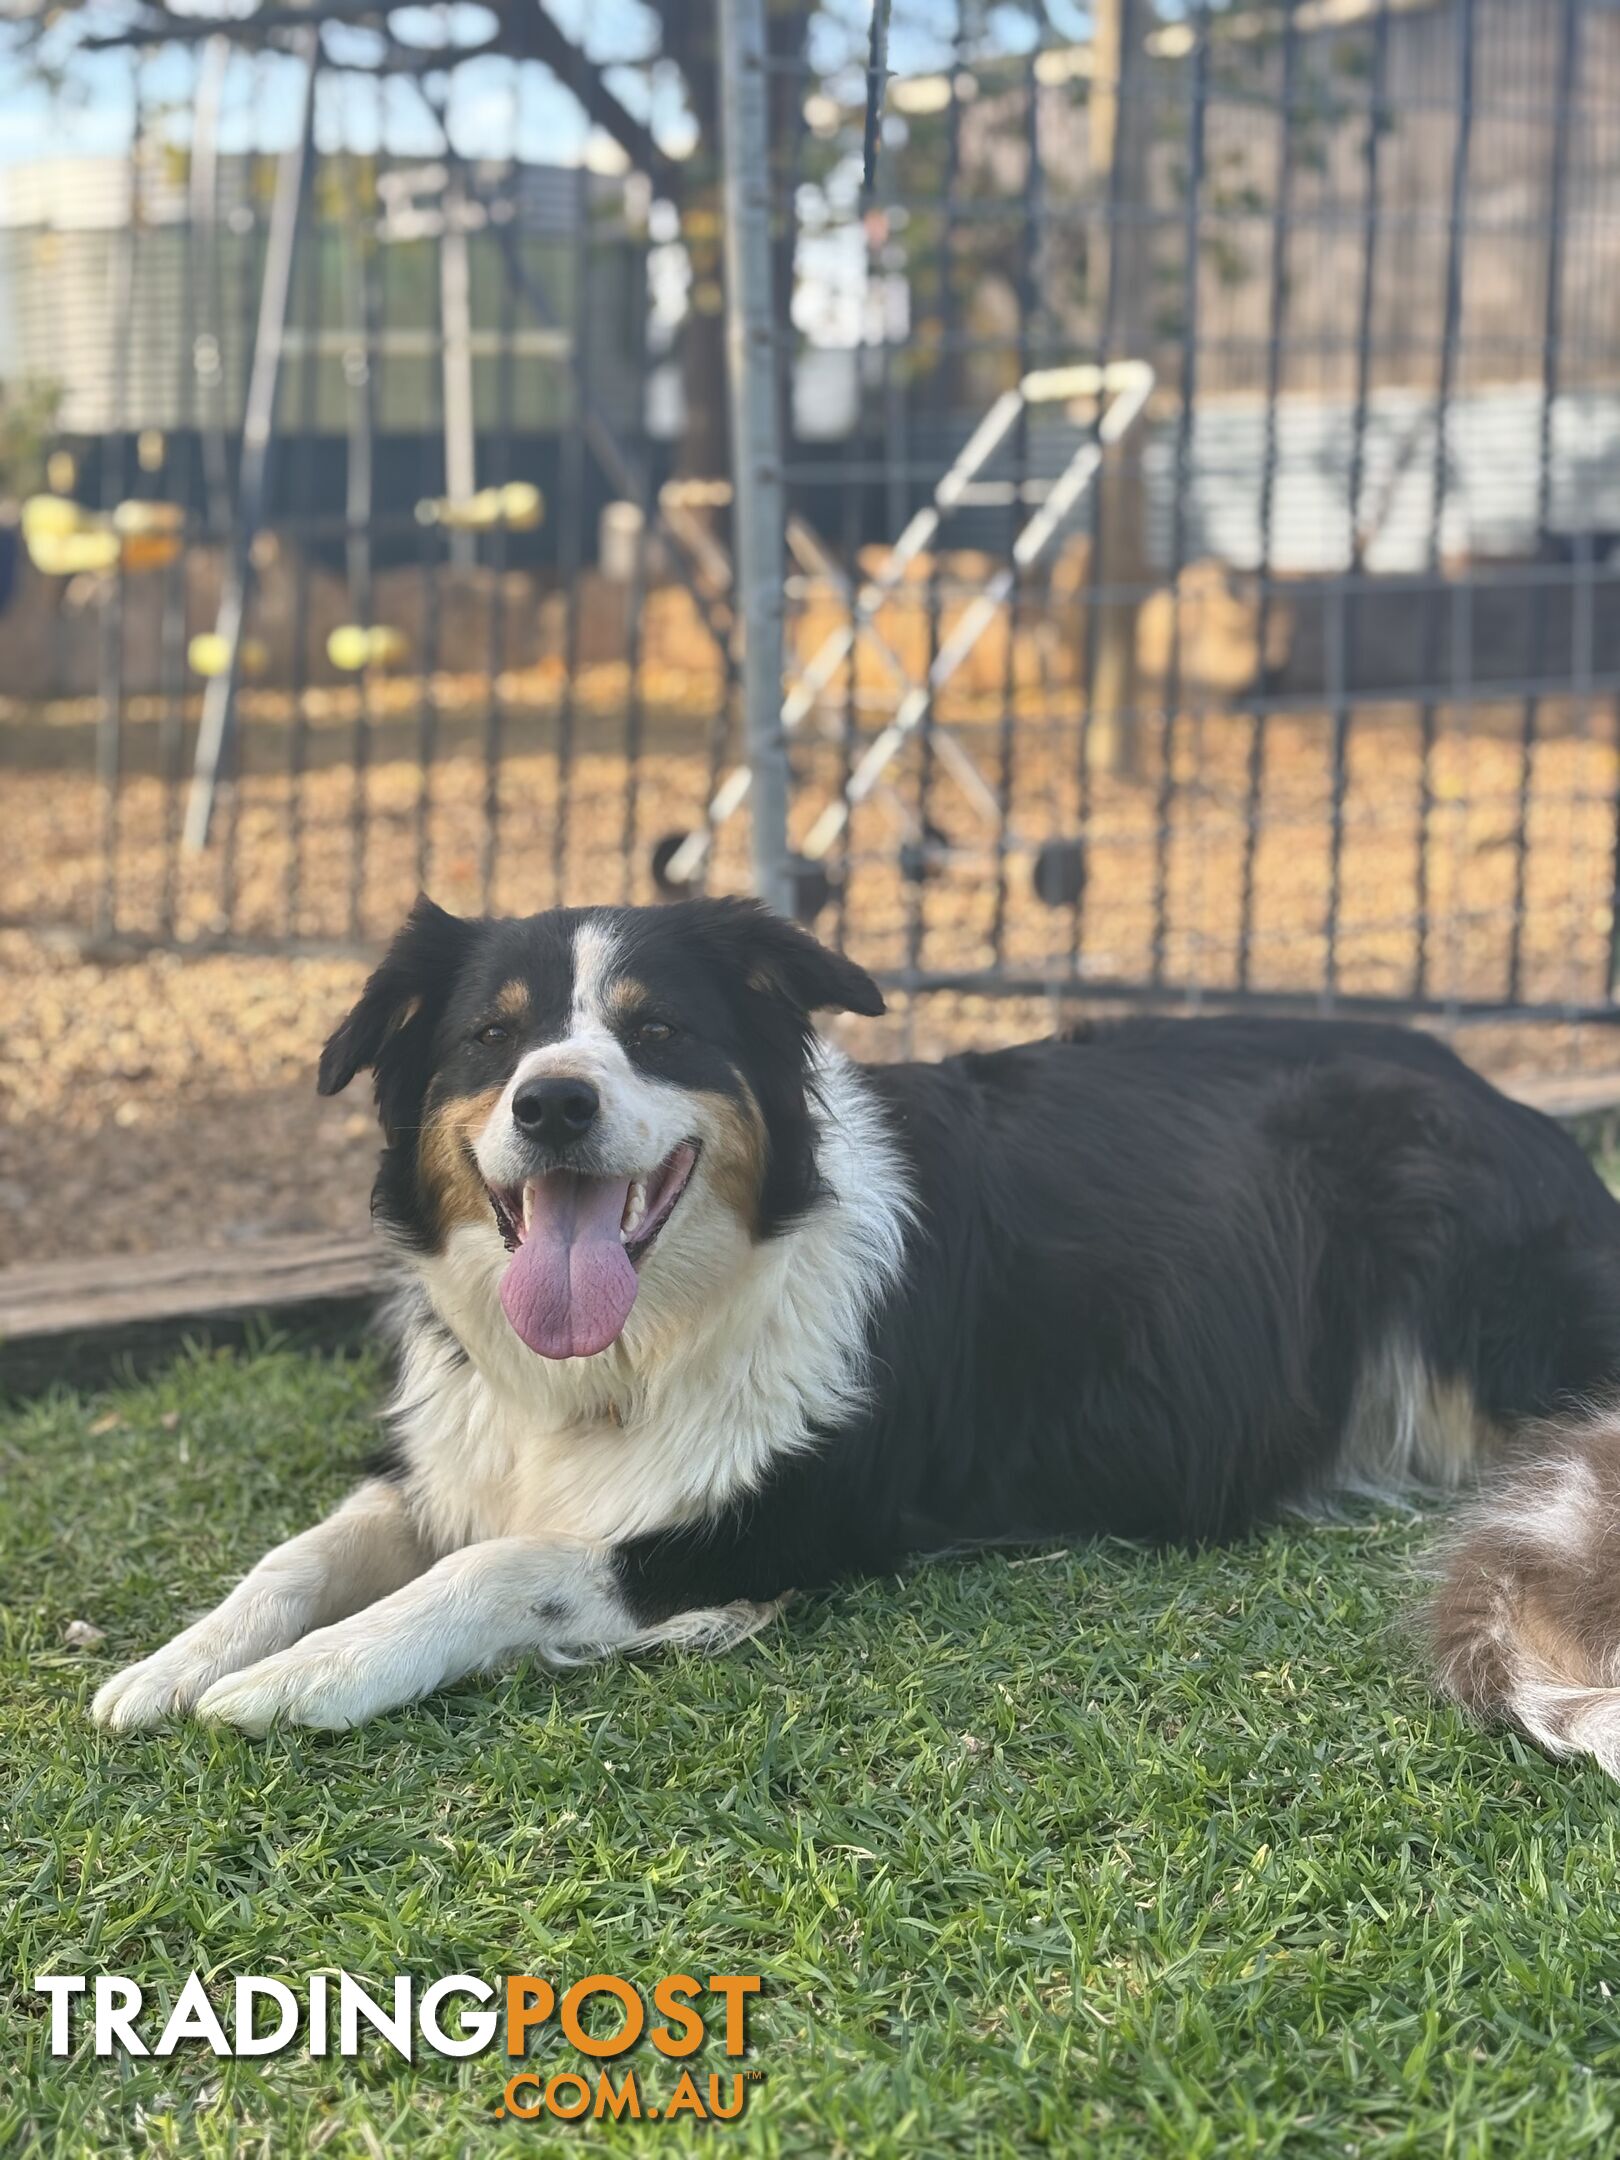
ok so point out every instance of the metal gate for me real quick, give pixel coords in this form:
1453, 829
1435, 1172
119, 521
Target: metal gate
1200, 473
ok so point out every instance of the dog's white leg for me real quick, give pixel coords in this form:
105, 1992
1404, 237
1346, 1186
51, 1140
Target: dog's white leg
475, 1608
363, 1551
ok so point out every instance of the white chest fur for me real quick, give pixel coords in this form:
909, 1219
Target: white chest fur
733, 1354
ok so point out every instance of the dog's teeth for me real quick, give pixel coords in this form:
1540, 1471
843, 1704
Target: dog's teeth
634, 1208
528, 1208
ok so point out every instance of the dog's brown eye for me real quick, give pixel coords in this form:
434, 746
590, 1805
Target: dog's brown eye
653, 1032
494, 1033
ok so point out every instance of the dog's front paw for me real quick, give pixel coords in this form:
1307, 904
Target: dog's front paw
160, 1687
319, 1682
170, 1681
139, 1696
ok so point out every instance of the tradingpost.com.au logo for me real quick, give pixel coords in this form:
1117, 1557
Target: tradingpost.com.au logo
598, 2019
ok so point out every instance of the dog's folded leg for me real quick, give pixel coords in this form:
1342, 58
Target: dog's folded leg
364, 1550
565, 1602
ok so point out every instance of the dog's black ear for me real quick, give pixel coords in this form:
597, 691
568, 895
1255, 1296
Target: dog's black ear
777, 957
402, 996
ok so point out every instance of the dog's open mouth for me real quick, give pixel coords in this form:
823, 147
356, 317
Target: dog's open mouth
575, 1243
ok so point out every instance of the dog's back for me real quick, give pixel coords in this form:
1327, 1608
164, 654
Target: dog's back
1252, 1261
1234, 1263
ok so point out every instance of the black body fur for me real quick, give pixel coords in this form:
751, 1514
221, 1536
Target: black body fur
1151, 1261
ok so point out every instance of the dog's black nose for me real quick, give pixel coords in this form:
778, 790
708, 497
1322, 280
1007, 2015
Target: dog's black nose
556, 1111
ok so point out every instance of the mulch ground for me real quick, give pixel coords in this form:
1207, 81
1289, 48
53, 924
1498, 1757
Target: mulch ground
167, 1097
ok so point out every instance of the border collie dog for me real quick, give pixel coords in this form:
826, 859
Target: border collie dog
700, 1313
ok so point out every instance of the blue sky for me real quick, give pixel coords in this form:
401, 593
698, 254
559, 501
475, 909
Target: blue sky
94, 115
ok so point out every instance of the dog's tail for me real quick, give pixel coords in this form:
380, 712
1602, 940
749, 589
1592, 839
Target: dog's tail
1525, 1622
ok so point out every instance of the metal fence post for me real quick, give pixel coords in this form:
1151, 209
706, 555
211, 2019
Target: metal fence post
258, 439
759, 510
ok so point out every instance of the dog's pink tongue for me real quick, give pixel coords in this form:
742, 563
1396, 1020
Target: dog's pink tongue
569, 1287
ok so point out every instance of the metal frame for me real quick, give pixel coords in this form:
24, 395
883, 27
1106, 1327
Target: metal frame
1128, 384
1131, 385
258, 437
756, 432
943, 221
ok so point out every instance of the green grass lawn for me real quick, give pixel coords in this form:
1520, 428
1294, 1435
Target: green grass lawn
1108, 1852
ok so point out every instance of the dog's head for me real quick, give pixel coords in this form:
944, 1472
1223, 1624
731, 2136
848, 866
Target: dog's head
610, 1092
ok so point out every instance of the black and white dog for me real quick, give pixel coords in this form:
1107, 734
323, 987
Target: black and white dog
701, 1313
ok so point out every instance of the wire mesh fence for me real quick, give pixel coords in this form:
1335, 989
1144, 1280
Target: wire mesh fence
1202, 473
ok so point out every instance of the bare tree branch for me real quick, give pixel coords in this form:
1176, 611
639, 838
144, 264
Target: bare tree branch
531, 31
526, 31
272, 26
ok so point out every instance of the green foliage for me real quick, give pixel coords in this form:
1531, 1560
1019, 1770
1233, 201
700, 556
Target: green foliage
1112, 1852
28, 416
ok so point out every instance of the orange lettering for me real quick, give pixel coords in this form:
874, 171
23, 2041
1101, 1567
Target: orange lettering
684, 2100
735, 1987
626, 2101
667, 1999
523, 2114
739, 2092
554, 2095
635, 2015
528, 2002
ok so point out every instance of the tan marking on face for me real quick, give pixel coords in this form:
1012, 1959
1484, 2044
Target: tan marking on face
734, 1153
444, 1156
513, 1001
623, 995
